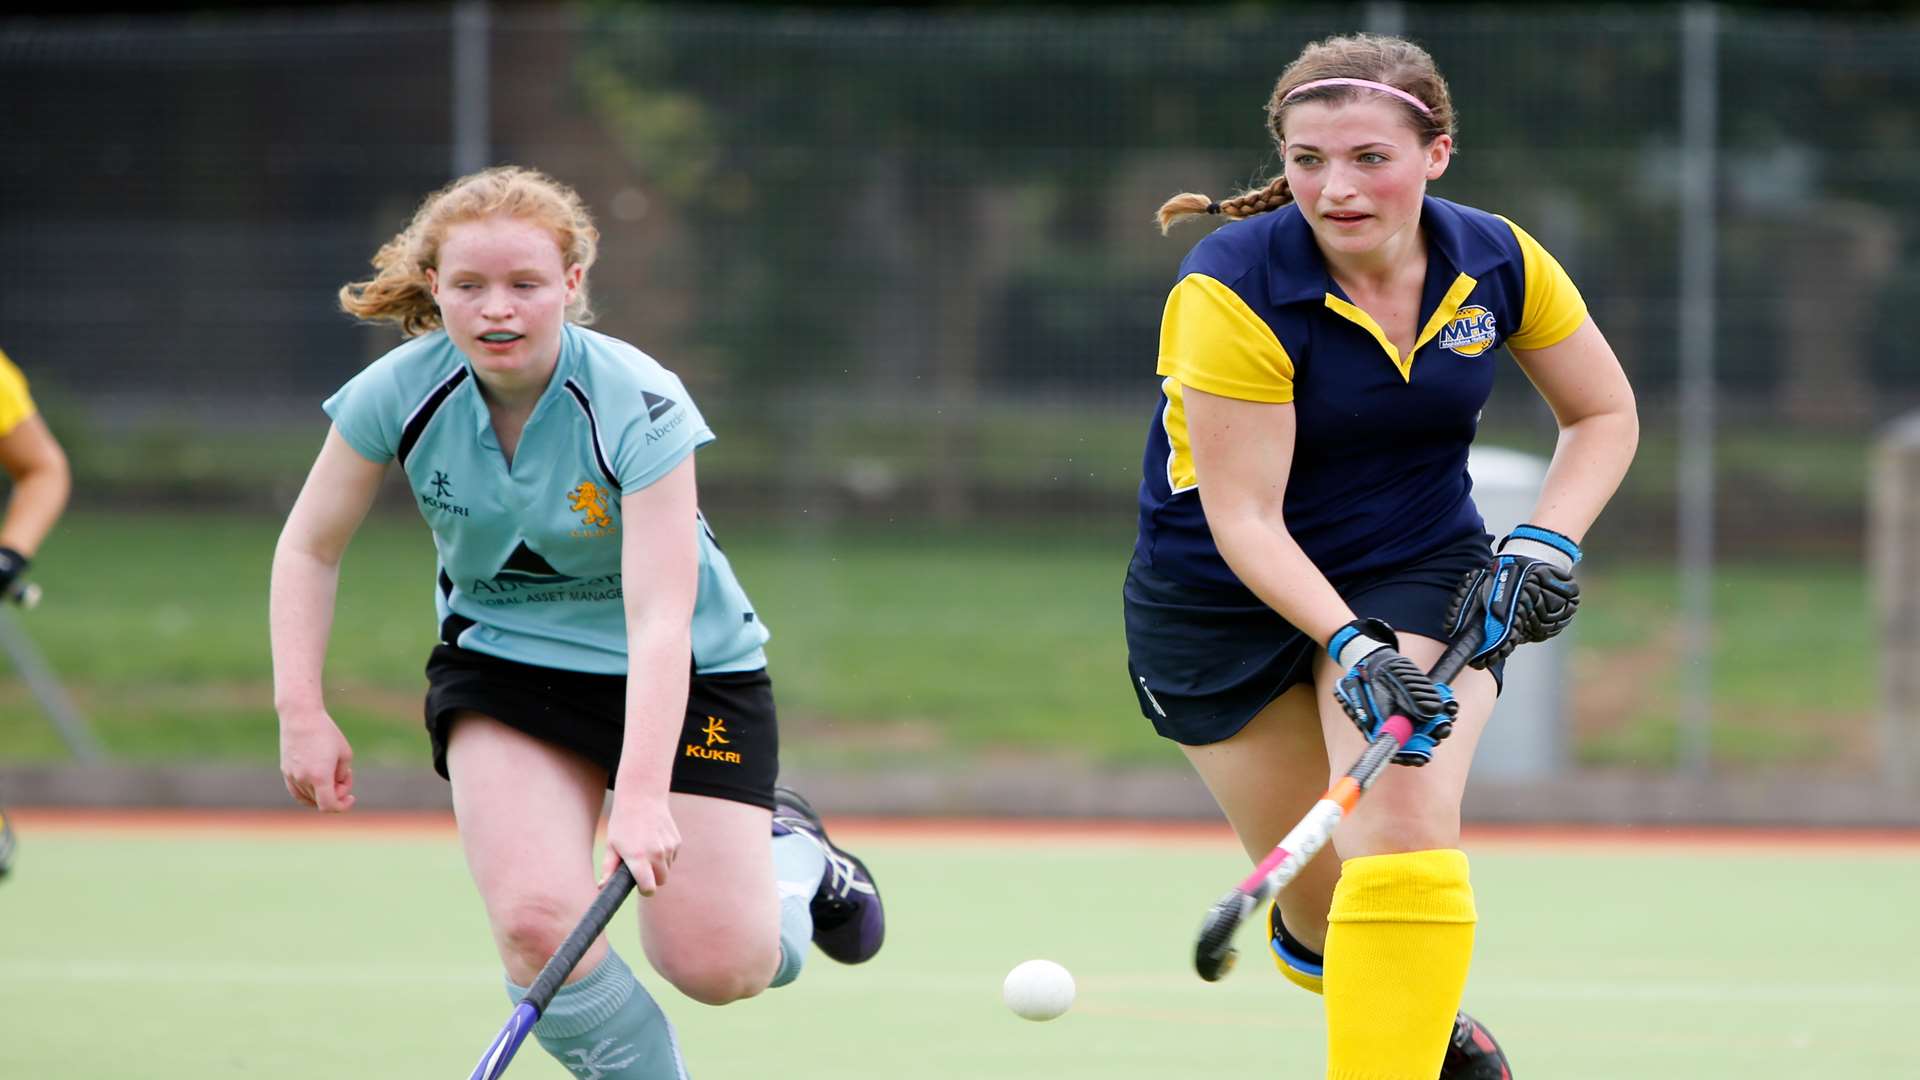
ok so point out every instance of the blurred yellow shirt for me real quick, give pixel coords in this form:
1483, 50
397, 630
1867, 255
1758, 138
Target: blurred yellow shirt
16, 404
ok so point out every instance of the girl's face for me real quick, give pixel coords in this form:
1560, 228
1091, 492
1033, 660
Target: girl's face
503, 293
1358, 172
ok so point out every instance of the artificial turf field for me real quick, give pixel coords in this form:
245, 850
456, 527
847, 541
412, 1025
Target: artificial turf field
298, 948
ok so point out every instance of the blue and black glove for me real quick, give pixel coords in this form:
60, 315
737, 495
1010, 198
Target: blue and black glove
12, 565
1525, 593
1379, 683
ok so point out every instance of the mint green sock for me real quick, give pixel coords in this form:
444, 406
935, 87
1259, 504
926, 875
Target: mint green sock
608, 1026
798, 866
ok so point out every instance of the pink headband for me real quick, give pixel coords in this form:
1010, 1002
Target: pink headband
1365, 83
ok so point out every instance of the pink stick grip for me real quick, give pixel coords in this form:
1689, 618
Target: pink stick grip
1399, 727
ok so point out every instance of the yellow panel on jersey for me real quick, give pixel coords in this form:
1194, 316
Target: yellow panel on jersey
1212, 341
1399, 940
1553, 309
1180, 473
15, 403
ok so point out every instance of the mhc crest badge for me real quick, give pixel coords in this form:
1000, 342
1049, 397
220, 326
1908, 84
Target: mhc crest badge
1470, 332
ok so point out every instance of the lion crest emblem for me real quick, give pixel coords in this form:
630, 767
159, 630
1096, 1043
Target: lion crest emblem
590, 501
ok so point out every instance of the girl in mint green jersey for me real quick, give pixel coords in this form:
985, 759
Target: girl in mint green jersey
592, 634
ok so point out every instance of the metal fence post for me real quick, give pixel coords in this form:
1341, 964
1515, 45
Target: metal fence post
1893, 539
1699, 244
471, 87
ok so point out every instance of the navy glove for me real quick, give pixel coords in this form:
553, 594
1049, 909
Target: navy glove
12, 565
1526, 592
1379, 683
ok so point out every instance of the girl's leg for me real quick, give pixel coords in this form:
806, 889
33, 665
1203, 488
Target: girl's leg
527, 812
1400, 934
740, 909
714, 930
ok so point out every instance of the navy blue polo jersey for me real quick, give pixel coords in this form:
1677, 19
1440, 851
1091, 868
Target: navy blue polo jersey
1379, 472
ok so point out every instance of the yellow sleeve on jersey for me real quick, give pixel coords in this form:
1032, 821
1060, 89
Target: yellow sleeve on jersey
15, 403
1553, 309
1212, 341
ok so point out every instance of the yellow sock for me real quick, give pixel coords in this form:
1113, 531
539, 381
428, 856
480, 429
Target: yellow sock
1399, 940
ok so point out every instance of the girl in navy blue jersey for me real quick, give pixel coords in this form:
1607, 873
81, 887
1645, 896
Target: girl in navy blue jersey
1308, 539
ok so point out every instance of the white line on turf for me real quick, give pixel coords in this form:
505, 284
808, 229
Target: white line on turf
867, 981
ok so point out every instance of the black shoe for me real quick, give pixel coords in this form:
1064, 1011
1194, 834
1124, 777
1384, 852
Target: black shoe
1472, 1054
7, 844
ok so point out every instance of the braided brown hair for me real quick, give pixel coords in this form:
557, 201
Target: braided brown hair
1393, 61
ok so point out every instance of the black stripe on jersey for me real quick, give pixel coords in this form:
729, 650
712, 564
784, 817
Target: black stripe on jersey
593, 426
453, 626
423, 413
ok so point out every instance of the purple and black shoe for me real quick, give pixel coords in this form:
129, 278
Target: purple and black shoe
848, 922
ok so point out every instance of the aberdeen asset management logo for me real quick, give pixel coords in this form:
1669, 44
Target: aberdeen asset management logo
525, 568
528, 578
658, 407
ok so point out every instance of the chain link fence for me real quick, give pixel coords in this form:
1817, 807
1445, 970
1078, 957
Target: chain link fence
907, 258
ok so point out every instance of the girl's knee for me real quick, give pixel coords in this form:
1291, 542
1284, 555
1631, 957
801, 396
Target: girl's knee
1398, 833
528, 930
714, 978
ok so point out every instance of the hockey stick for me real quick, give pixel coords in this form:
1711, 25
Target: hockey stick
1213, 951
17, 647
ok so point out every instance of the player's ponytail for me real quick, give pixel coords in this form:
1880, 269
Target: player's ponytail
1274, 195
398, 291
